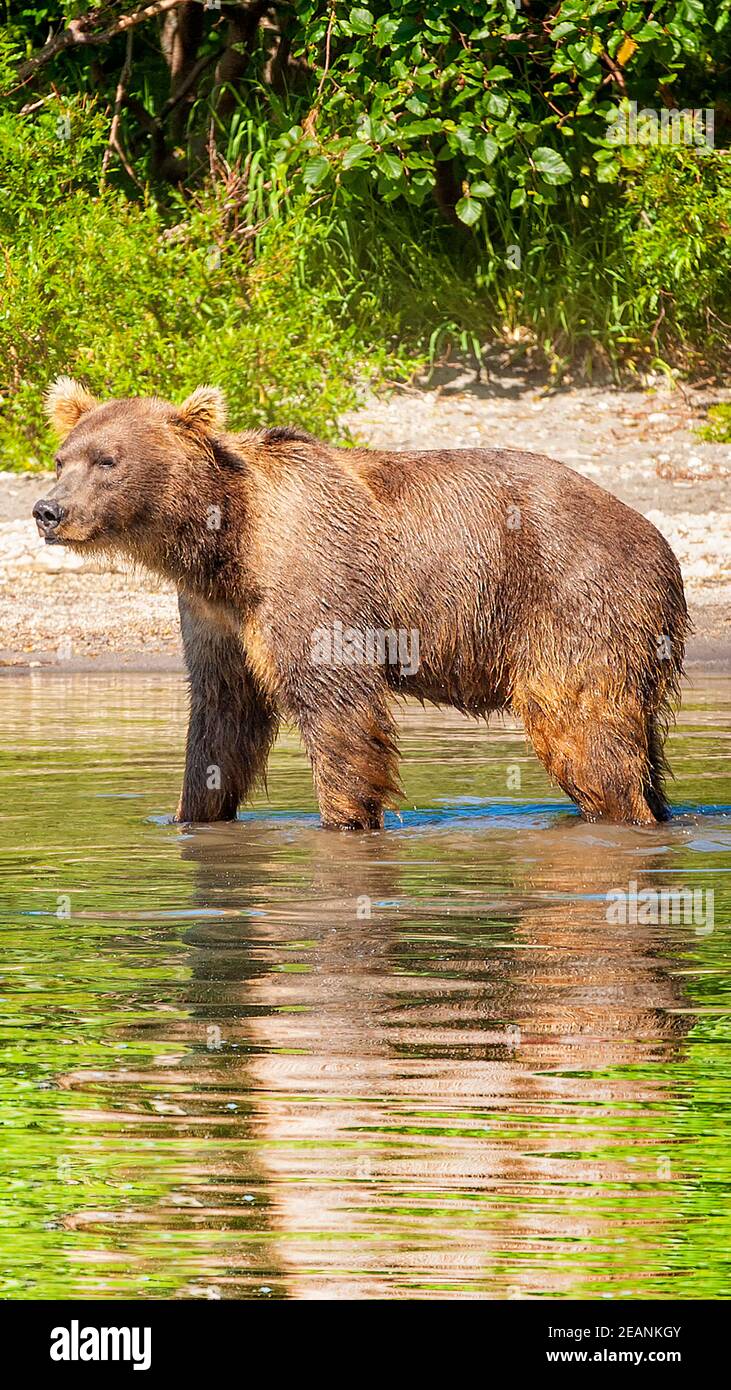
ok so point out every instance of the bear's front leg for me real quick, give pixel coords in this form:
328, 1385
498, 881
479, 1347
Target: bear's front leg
350, 739
232, 724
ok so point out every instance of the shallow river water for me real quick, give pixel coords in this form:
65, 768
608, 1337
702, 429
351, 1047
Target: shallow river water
263, 1061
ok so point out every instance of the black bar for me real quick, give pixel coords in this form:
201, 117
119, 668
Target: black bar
203, 1338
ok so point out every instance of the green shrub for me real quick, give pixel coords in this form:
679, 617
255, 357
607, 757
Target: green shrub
134, 302
490, 90
427, 180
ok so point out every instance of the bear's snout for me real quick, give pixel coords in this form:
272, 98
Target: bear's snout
48, 514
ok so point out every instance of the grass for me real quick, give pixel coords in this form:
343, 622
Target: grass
718, 428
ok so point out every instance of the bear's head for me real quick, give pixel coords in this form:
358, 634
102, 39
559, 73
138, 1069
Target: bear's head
124, 466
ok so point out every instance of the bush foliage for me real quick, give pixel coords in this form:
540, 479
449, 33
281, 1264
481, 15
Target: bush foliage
288, 198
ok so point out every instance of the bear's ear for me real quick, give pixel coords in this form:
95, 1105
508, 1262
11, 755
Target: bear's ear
66, 401
205, 409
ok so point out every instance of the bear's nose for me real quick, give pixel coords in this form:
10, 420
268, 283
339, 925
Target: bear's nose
47, 513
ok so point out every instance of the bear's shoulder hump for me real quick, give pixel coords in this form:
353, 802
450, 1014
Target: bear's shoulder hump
287, 434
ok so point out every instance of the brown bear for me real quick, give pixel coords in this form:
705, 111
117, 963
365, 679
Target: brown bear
314, 582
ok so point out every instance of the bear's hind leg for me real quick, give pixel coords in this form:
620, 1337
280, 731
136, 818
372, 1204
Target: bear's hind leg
658, 767
351, 745
602, 763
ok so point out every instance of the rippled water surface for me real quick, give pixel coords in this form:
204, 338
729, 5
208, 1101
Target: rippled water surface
261, 1060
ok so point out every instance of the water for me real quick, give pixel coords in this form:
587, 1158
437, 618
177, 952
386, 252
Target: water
265, 1061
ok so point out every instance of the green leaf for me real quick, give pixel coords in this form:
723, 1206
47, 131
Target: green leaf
517, 198
482, 189
469, 211
385, 30
633, 18
607, 171
315, 171
694, 11
488, 148
354, 153
464, 140
497, 104
410, 130
418, 103
582, 57
390, 166
651, 30
550, 165
361, 21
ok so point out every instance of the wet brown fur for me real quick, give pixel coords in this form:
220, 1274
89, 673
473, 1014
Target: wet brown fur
532, 590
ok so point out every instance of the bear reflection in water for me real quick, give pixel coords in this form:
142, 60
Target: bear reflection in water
440, 1081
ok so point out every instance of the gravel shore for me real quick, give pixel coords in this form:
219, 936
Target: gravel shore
57, 609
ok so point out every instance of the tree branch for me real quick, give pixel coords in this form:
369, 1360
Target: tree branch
120, 94
615, 73
310, 121
188, 81
80, 31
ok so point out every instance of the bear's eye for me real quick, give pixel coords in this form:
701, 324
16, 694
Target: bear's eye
106, 461
59, 466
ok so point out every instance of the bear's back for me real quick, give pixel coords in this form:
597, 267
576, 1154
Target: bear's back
510, 486
519, 521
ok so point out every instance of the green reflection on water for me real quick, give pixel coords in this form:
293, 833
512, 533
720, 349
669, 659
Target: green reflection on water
259, 1060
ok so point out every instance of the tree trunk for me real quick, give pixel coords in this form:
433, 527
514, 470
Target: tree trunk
242, 29
181, 33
